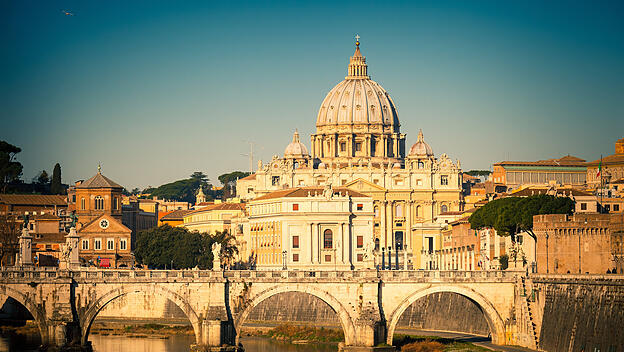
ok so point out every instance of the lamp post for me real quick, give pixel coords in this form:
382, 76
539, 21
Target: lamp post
389, 257
383, 258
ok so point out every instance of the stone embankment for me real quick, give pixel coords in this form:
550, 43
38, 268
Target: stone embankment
580, 312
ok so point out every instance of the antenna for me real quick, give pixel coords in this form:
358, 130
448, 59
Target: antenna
250, 155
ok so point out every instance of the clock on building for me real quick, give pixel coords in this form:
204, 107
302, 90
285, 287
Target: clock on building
104, 223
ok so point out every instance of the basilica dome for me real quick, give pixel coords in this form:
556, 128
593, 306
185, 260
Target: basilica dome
358, 100
296, 149
420, 148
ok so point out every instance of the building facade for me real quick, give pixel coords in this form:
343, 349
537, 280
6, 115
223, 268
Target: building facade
358, 144
568, 170
212, 218
311, 227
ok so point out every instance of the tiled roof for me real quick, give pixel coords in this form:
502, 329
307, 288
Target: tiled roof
99, 181
608, 160
305, 191
33, 199
220, 206
530, 191
250, 177
567, 160
175, 215
451, 213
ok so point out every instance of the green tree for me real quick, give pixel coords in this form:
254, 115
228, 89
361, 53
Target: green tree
10, 170
229, 182
56, 187
513, 215
43, 178
10, 228
478, 173
181, 190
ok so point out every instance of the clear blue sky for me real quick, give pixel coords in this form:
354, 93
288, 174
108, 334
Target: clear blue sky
156, 90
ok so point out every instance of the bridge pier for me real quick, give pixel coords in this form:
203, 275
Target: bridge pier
64, 336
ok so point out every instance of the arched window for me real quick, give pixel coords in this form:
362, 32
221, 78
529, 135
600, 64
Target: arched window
82, 204
376, 212
327, 239
376, 244
421, 165
398, 211
419, 211
99, 203
444, 208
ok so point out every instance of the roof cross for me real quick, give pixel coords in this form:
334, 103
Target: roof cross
357, 38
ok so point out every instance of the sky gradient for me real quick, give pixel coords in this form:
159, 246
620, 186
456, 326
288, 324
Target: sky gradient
155, 90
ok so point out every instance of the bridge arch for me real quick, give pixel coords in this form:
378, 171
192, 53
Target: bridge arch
93, 309
37, 313
494, 321
343, 315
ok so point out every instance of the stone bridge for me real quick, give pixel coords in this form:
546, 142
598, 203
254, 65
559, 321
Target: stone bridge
368, 303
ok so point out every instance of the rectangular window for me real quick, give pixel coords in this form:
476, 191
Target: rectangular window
110, 244
360, 207
295, 257
295, 207
616, 207
85, 244
360, 241
74, 198
607, 207
123, 244
275, 180
97, 244
295, 242
358, 146
444, 180
328, 258
343, 147
82, 203
249, 190
583, 206
360, 257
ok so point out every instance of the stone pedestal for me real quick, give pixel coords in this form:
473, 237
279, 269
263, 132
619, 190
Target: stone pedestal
25, 253
71, 242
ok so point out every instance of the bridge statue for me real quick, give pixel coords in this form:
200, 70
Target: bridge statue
25, 243
69, 254
216, 256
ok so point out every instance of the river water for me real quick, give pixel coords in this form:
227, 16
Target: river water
176, 343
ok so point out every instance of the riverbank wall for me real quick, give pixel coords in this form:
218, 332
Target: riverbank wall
580, 312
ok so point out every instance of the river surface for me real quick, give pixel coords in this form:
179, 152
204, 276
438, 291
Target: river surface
176, 343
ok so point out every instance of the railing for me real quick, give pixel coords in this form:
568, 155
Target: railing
18, 273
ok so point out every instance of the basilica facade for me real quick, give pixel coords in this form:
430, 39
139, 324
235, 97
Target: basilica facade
358, 145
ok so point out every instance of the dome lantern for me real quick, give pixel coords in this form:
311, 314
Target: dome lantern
357, 68
420, 148
296, 149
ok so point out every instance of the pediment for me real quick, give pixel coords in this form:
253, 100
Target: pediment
361, 185
114, 226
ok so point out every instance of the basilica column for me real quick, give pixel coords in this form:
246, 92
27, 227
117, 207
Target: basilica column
390, 241
313, 237
408, 224
384, 140
384, 220
343, 244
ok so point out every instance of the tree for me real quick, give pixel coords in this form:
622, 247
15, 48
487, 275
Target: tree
181, 190
513, 215
56, 187
10, 228
10, 170
179, 248
229, 182
478, 172
43, 178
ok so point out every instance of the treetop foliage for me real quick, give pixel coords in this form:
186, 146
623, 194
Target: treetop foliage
181, 190
478, 173
229, 181
512, 215
10, 170
56, 187
179, 248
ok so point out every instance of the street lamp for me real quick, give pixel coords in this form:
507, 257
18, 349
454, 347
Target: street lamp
284, 256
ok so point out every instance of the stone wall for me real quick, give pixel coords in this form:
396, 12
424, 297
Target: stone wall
445, 311
581, 313
142, 307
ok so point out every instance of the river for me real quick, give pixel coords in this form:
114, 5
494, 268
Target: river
176, 343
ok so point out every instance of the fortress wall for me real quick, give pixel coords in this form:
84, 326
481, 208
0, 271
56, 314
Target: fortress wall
581, 313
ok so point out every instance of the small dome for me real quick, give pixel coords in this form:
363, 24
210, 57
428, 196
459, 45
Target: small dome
296, 149
420, 148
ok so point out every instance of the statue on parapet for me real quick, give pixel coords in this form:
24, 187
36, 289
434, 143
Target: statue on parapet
216, 256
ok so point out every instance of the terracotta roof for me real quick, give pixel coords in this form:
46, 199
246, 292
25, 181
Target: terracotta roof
451, 213
567, 160
305, 191
220, 206
250, 177
33, 199
608, 160
175, 215
46, 216
530, 191
99, 181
